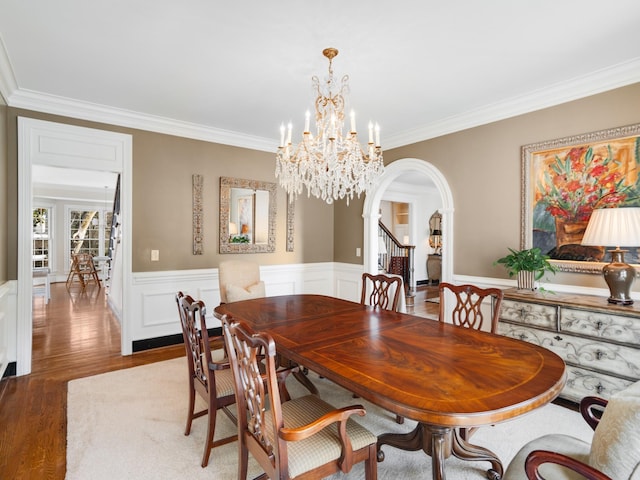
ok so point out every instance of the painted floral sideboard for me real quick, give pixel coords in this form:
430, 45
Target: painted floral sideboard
599, 342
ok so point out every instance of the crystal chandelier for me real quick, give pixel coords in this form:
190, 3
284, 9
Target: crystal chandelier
332, 165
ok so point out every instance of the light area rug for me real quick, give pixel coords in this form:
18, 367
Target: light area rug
129, 424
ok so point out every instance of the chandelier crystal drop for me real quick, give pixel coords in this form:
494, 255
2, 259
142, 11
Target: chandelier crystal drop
331, 164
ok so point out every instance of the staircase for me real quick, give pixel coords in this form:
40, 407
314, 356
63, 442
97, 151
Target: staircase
114, 237
398, 260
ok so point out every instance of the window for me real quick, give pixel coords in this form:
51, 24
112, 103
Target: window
89, 231
41, 237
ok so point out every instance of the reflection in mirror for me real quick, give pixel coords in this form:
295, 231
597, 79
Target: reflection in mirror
247, 216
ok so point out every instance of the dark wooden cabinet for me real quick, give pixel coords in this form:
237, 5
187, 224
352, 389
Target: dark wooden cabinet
434, 268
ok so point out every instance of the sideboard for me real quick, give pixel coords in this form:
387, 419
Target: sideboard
599, 342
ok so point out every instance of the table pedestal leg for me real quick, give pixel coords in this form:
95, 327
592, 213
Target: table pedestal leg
439, 443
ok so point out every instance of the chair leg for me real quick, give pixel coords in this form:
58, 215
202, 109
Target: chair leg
211, 428
371, 464
399, 419
243, 460
192, 406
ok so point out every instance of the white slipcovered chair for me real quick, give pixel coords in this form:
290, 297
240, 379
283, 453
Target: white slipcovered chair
614, 452
239, 280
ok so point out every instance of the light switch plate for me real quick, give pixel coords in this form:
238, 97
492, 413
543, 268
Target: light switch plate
155, 255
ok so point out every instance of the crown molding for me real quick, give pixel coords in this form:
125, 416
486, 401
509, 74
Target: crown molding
618, 75
600, 81
8, 83
126, 118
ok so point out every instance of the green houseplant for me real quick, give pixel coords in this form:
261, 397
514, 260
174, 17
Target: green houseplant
529, 265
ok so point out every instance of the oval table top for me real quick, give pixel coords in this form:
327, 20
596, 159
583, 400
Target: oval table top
419, 368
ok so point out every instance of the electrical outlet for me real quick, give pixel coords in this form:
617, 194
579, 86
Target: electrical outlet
155, 255
358, 252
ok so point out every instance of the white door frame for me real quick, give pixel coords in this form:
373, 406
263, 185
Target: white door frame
61, 145
370, 212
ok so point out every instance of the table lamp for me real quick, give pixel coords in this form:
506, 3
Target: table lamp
619, 227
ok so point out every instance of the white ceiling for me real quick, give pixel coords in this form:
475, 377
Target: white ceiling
232, 72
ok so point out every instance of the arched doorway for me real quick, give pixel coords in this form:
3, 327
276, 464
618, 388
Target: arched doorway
371, 208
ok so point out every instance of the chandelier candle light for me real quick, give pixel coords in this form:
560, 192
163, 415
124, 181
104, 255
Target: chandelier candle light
331, 165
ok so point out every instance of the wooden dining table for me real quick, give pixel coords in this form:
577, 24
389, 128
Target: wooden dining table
440, 375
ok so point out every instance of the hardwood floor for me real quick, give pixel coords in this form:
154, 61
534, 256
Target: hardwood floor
74, 336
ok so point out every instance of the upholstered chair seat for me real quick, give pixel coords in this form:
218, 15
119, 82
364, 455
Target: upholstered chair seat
614, 451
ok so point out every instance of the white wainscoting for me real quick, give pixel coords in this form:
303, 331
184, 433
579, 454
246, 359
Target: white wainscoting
7, 324
154, 312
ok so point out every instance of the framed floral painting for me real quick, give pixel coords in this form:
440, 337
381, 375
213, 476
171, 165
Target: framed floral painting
563, 180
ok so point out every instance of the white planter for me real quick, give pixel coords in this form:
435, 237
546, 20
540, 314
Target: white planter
526, 280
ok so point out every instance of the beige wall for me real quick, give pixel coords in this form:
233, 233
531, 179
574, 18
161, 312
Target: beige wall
482, 167
3, 190
163, 166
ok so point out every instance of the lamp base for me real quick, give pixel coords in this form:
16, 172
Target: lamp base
619, 277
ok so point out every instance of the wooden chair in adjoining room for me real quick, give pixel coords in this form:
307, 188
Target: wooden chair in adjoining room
613, 454
209, 378
303, 437
83, 270
383, 291
239, 280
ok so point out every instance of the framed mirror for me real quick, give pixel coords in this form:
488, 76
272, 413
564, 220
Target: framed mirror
247, 216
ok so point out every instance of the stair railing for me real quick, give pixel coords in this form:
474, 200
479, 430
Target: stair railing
395, 249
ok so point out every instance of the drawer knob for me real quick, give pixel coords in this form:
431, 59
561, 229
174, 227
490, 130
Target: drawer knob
599, 325
599, 354
599, 388
557, 337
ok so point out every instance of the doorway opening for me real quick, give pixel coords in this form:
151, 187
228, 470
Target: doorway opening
413, 178
66, 146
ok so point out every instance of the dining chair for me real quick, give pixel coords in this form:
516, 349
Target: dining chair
83, 270
467, 312
382, 291
303, 437
385, 292
208, 377
239, 280
613, 454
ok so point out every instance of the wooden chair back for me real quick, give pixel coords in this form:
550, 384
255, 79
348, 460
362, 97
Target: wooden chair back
262, 417
467, 311
381, 291
210, 379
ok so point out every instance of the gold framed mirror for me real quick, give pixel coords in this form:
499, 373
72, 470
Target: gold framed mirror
247, 216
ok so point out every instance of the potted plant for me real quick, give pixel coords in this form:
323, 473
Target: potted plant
529, 265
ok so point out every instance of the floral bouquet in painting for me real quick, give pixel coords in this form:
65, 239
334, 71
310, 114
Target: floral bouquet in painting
574, 185
571, 182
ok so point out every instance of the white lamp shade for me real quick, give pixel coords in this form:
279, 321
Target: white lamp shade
382, 248
613, 227
233, 228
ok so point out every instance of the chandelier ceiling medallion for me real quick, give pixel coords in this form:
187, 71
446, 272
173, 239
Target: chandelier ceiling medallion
331, 164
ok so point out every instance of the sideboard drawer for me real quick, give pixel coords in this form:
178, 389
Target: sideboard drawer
600, 325
582, 383
544, 316
585, 352
599, 342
